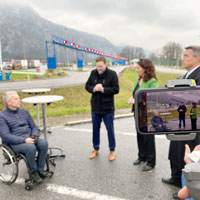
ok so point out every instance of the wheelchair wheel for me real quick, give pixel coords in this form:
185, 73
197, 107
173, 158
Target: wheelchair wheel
152, 129
8, 165
28, 185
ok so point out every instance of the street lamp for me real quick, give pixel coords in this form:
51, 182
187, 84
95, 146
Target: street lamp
1, 64
67, 51
24, 50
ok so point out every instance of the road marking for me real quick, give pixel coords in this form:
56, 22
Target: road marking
90, 131
78, 129
119, 132
73, 192
80, 193
55, 127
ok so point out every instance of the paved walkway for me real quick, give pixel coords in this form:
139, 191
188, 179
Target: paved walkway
82, 118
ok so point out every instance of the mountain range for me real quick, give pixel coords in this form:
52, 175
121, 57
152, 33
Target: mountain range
23, 33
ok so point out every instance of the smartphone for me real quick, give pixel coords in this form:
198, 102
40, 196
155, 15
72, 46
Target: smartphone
195, 156
168, 110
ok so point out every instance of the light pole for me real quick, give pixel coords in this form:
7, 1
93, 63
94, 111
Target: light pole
24, 50
67, 51
1, 63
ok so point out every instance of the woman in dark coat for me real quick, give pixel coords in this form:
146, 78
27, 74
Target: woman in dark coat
193, 116
146, 143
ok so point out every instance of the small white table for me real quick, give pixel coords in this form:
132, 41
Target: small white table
43, 100
165, 115
36, 91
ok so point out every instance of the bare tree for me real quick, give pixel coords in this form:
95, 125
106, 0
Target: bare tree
171, 54
132, 52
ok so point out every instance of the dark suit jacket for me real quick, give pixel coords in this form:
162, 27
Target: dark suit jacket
195, 75
177, 148
103, 102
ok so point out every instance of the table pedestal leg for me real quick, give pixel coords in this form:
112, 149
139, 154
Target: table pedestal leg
52, 157
38, 115
44, 121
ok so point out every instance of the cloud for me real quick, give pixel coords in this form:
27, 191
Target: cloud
145, 23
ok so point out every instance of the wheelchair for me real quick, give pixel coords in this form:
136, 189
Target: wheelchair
165, 128
9, 168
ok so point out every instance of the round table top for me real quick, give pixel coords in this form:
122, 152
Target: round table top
36, 90
42, 99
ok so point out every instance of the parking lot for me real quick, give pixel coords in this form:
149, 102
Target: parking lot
78, 177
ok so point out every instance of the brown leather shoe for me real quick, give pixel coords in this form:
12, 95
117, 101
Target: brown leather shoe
94, 154
112, 156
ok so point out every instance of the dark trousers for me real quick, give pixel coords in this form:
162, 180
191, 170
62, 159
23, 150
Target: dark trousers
175, 172
108, 121
194, 124
29, 150
146, 149
182, 118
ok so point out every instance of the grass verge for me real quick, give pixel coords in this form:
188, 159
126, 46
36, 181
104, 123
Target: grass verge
77, 99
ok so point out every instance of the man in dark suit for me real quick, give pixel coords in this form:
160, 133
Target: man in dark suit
191, 62
182, 110
103, 85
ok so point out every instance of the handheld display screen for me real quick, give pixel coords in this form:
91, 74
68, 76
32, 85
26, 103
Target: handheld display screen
164, 111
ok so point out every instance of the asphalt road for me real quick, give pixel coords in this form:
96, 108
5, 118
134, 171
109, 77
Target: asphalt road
170, 70
77, 177
74, 78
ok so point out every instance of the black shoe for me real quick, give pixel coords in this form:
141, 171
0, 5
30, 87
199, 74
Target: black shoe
175, 195
44, 174
137, 162
147, 168
171, 181
35, 177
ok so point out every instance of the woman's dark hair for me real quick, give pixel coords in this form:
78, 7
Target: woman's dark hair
194, 105
149, 69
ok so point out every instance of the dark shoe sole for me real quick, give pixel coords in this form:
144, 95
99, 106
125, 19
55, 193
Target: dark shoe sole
138, 162
175, 196
39, 181
48, 175
176, 184
147, 169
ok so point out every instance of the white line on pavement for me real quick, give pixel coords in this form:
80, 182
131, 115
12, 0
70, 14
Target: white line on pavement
120, 132
73, 192
90, 131
78, 129
80, 193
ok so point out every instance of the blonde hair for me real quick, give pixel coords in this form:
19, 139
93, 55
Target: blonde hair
8, 95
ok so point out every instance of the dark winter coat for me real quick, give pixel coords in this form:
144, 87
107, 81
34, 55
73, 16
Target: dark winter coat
177, 148
103, 102
16, 126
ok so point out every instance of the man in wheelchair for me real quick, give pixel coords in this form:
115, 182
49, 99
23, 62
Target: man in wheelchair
157, 122
19, 131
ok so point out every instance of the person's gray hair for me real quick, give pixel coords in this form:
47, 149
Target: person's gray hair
8, 95
195, 50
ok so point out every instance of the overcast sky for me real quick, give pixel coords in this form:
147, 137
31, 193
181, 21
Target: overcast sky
145, 23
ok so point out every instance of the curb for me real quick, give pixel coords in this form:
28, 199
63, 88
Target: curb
90, 120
